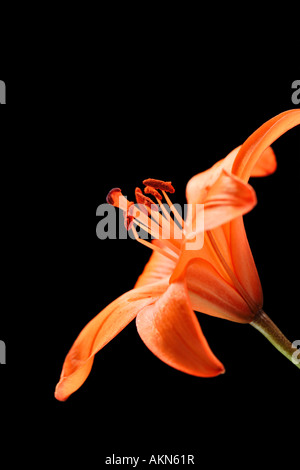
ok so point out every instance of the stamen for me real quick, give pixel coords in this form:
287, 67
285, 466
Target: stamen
142, 214
156, 234
113, 196
128, 218
174, 210
152, 246
128, 221
153, 230
146, 215
176, 230
153, 192
144, 200
116, 199
155, 215
137, 193
158, 184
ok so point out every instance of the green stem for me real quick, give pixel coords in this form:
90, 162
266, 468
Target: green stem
265, 325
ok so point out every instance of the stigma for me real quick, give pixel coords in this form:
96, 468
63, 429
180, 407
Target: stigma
160, 220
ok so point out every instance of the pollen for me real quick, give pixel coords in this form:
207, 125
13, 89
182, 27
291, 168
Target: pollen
144, 200
153, 192
116, 199
158, 184
113, 196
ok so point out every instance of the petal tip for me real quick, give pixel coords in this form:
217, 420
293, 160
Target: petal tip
218, 370
58, 394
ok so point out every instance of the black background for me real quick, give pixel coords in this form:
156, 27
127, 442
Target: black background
111, 117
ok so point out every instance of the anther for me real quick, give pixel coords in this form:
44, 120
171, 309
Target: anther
138, 194
116, 199
158, 184
153, 192
113, 196
144, 200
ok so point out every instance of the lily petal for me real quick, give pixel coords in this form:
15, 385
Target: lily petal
228, 198
170, 329
197, 186
266, 164
262, 138
158, 267
99, 331
211, 294
243, 262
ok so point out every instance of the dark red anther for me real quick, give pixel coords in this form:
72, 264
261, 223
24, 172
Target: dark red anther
113, 196
153, 192
158, 184
143, 200
138, 194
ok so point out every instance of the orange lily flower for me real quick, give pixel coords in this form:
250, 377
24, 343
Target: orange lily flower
203, 263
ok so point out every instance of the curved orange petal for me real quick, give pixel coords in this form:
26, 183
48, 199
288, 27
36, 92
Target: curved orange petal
262, 138
228, 198
170, 329
266, 164
199, 184
211, 294
243, 262
99, 331
158, 267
